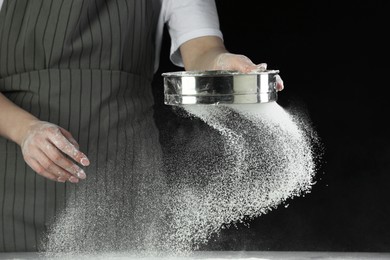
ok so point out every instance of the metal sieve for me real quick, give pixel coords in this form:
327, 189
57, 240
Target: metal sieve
219, 87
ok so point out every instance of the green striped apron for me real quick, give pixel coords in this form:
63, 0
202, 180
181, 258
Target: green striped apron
86, 65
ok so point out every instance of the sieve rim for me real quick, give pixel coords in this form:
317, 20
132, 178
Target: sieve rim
213, 73
219, 87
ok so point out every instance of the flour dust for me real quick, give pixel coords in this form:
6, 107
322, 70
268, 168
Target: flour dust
250, 159
235, 162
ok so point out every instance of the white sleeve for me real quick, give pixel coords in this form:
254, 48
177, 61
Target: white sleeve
189, 19
1, 3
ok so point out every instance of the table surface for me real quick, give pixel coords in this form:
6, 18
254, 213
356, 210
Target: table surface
217, 255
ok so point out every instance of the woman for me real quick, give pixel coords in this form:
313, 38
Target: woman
75, 82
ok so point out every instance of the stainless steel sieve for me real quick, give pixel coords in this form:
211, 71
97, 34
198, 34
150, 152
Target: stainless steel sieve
219, 87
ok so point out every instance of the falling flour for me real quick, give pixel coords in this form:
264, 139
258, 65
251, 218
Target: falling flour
251, 159
240, 162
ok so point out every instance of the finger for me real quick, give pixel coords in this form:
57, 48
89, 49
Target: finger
279, 83
39, 169
230, 61
70, 138
243, 64
261, 67
51, 167
59, 159
257, 68
60, 141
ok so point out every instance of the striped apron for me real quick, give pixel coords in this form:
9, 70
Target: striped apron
87, 66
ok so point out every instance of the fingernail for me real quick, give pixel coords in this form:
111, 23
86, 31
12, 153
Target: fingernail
279, 81
73, 179
84, 161
81, 174
279, 87
61, 179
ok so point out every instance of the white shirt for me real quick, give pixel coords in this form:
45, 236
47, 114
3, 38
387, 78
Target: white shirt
185, 20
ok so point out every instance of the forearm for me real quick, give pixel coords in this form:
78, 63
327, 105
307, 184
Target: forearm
14, 121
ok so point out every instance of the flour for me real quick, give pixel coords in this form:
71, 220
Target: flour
252, 159
237, 163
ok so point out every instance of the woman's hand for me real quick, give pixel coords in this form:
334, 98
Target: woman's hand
229, 61
52, 152
209, 53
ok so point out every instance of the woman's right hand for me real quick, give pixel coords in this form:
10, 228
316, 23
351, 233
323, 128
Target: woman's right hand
52, 152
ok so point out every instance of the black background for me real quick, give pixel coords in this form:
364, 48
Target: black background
334, 61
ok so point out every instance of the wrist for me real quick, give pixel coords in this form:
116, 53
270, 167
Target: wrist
14, 121
201, 53
208, 60
22, 128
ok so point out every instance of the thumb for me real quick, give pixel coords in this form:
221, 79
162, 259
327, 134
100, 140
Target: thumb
241, 63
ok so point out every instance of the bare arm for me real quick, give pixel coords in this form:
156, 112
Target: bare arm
201, 53
14, 121
44, 145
